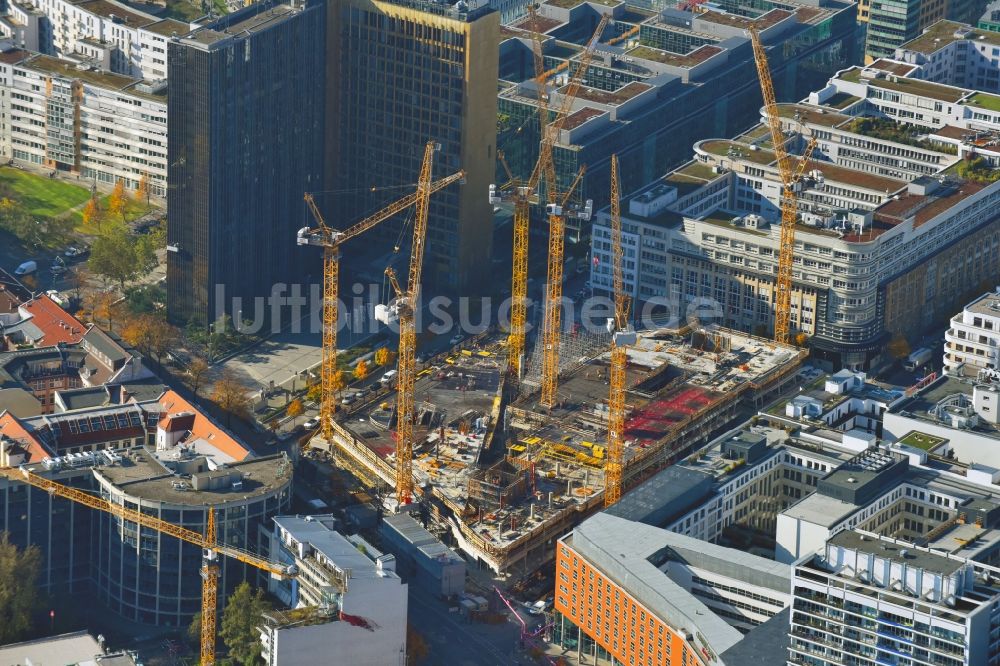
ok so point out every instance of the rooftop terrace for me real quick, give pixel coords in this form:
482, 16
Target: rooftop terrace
943, 33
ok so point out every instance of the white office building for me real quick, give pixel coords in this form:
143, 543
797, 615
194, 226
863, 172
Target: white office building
869, 599
347, 599
971, 342
105, 127
104, 33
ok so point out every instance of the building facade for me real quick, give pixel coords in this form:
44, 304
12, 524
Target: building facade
409, 72
104, 127
162, 457
892, 23
347, 599
106, 34
889, 173
867, 598
972, 342
240, 160
682, 74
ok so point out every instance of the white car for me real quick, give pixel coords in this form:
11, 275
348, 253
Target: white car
74, 252
311, 423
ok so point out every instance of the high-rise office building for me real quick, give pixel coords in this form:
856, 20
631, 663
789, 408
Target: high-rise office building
891, 23
246, 118
403, 73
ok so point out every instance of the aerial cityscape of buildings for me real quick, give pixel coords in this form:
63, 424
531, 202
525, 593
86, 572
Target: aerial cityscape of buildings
747, 412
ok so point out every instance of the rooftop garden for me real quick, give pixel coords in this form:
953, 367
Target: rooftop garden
977, 170
985, 101
920, 440
890, 130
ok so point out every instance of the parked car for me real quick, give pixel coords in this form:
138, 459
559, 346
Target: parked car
458, 337
73, 252
311, 423
349, 399
389, 377
27, 268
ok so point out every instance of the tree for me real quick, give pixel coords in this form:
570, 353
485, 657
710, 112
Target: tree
240, 621
315, 392
361, 370
100, 305
151, 335
92, 214
117, 202
119, 256
18, 596
196, 371
142, 191
801, 339
384, 356
194, 629
294, 409
231, 396
338, 382
416, 647
898, 347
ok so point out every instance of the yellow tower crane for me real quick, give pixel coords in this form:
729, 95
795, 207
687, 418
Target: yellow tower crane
403, 311
523, 194
623, 335
557, 212
791, 181
330, 240
210, 548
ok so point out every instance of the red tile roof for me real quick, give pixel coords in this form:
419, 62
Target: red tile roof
177, 422
204, 428
56, 324
11, 427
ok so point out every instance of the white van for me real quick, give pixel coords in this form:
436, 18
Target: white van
389, 377
27, 268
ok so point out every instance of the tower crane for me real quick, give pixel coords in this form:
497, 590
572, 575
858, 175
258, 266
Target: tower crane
211, 549
403, 311
557, 212
622, 335
791, 181
330, 240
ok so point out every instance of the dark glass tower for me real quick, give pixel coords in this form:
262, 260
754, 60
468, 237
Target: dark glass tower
246, 111
410, 71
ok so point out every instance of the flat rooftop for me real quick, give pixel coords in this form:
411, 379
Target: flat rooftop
897, 552
683, 60
987, 304
945, 33
100, 78
145, 477
761, 22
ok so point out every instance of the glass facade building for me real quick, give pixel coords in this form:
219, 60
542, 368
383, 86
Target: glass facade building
246, 116
402, 74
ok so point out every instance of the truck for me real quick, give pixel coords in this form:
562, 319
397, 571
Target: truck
917, 359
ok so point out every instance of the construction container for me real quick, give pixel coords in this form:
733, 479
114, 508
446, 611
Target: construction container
425, 560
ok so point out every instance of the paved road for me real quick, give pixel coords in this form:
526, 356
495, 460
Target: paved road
453, 641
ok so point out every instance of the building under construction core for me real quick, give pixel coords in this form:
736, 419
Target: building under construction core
509, 479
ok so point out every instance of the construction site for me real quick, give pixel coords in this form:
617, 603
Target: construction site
507, 476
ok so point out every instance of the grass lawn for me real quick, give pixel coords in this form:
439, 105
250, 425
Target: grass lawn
986, 101
41, 195
133, 208
920, 440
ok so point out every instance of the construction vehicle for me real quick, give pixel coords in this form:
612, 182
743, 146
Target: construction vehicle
403, 312
330, 240
211, 550
622, 335
558, 210
791, 181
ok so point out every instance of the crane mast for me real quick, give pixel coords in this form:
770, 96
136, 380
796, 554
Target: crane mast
330, 240
623, 334
557, 211
789, 195
404, 311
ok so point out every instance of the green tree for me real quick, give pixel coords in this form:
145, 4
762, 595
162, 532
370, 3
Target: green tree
194, 630
18, 596
120, 256
240, 621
